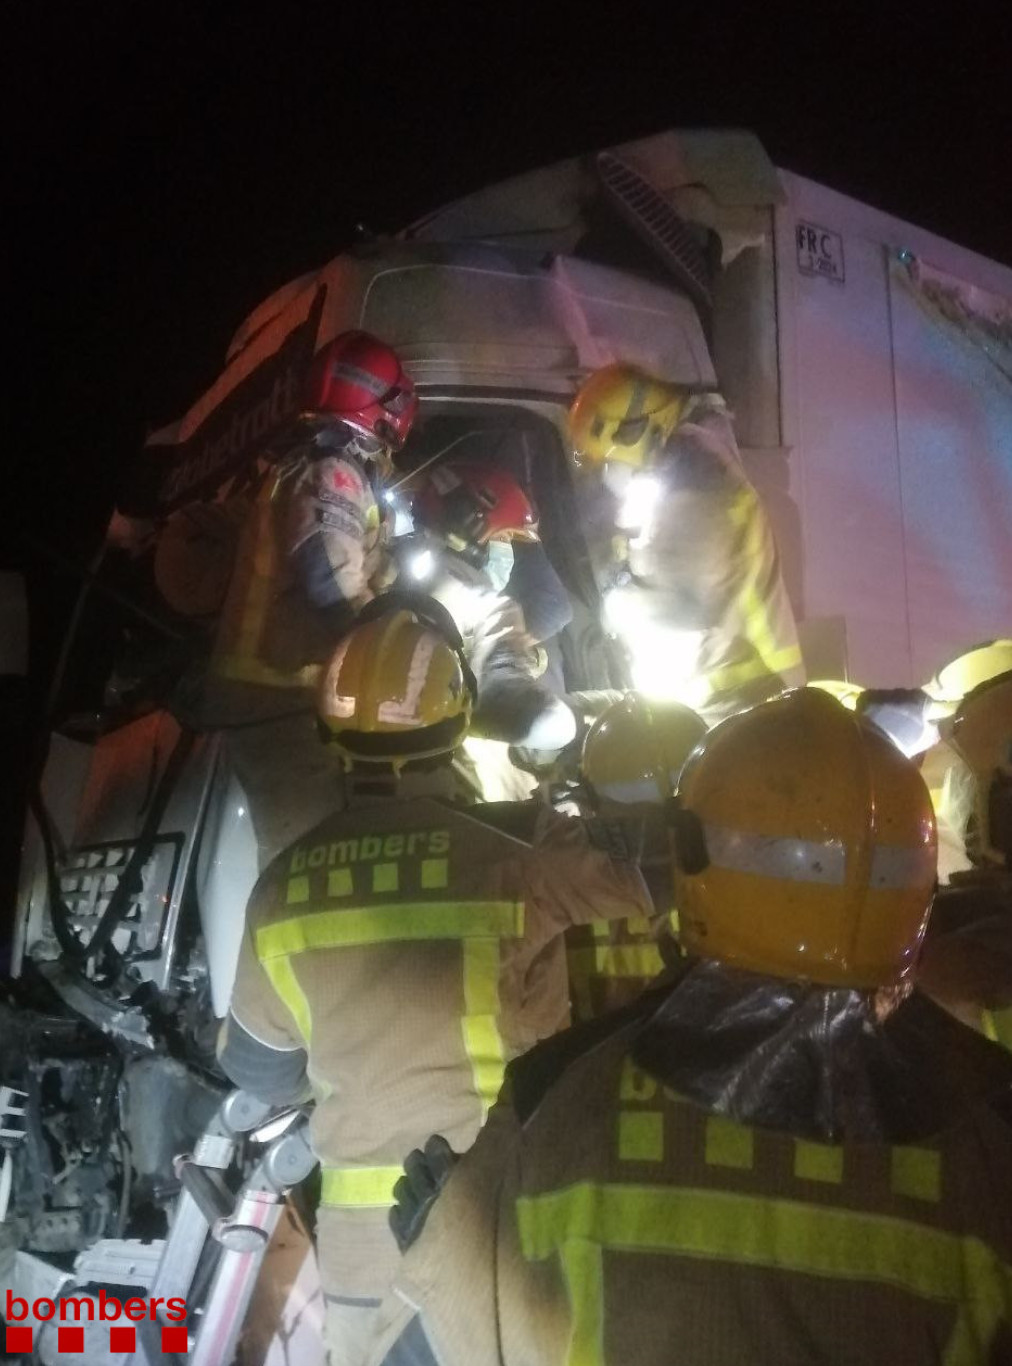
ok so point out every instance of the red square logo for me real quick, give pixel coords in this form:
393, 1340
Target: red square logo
174, 1339
122, 1339
70, 1339
18, 1340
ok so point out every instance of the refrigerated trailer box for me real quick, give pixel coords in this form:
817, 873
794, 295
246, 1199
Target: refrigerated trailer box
869, 366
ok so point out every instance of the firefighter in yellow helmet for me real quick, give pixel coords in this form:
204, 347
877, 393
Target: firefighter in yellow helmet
696, 593
402, 951
632, 756
950, 776
967, 964
775, 1157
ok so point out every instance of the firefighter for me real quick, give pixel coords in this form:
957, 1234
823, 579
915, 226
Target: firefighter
467, 518
398, 954
696, 594
632, 756
950, 777
779, 1156
967, 961
315, 554
311, 554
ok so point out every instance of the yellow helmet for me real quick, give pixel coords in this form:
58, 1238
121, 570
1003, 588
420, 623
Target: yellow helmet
806, 846
635, 750
981, 734
620, 413
967, 671
396, 689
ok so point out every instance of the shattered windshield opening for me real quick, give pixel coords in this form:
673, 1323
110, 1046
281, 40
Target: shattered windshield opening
529, 447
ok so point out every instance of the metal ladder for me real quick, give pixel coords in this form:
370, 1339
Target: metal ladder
241, 1225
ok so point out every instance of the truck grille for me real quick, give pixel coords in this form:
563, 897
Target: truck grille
657, 224
90, 876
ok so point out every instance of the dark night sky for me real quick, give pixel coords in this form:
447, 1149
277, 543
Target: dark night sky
170, 167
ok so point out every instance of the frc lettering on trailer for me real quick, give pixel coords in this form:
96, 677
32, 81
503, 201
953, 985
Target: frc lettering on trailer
820, 252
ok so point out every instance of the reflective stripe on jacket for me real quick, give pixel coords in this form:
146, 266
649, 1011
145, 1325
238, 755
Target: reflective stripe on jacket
708, 563
611, 962
310, 545
619, 1219
411, 949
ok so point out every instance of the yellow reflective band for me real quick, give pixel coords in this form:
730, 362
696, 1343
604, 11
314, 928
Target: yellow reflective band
619, 961
629, 960
733, 675
298, 890
435, 873
584, 1275
284, 981
640, 1136
746, 513
728, 1144
635, 1084
339, 882
916, 1173
261, 570
783, 1235
385, 877
480, 1024
998, 1026
365, 925
240, 670
818, 1162
359, 1186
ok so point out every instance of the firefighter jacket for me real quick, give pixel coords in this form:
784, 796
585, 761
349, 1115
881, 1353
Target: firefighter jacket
604, 1220
612, 962
953, 790
405, 951
706, 563
311, 553
966, 958
513, 703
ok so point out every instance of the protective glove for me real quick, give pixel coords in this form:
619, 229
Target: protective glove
426, 1172
520, 711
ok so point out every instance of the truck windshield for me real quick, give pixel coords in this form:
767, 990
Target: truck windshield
127, 650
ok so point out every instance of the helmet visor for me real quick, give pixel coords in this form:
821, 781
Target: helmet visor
631, 431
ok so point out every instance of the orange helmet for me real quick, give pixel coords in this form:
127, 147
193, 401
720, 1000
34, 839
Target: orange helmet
806, 846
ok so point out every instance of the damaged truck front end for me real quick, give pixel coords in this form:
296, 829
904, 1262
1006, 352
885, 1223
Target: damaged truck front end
140, 852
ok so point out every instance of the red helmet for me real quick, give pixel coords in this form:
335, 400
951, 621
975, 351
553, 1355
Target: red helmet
474, 504
360, 380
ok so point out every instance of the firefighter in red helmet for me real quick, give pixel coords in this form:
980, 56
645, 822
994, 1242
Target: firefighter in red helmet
312, 552
468, 517
359, 409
